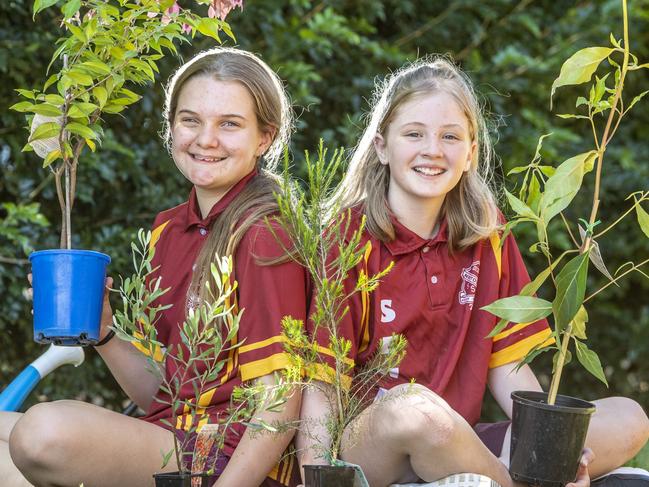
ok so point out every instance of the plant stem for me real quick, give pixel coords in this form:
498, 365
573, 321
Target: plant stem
585, 247
633, 268
605, 137
621, 218
556, 377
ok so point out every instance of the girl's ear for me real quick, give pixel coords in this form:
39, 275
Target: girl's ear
266, 139
469, 160
379, 146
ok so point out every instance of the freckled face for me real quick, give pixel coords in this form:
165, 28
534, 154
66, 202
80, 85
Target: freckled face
215, 134
428, 147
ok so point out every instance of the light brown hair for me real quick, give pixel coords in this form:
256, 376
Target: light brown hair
273, 113
470, 207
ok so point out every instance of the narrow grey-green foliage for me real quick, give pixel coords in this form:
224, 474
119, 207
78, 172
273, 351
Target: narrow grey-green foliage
207, 334
322, 241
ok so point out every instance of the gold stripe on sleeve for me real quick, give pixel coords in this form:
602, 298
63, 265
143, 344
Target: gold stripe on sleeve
517, 351
326, 373
262, 344
264, 366
511, 330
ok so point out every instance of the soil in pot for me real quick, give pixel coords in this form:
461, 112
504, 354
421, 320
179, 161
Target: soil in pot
328, 476
546, 440
177, 479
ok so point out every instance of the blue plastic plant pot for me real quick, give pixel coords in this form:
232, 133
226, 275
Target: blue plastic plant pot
68, 295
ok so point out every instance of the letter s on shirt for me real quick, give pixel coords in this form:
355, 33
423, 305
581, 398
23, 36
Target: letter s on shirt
387, 313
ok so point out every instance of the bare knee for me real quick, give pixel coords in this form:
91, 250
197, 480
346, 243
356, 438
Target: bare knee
40, 439
626, 415
414, 414
638, 422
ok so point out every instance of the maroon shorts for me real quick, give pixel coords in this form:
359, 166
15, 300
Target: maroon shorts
492, 435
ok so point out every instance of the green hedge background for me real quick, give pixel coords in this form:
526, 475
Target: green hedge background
329, 53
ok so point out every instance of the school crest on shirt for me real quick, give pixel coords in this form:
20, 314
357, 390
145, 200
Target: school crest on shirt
469, 284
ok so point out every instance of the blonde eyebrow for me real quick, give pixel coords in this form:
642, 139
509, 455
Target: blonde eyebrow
421, 124
226, 115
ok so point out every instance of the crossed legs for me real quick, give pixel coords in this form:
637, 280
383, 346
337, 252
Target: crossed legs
413, 434
65, 443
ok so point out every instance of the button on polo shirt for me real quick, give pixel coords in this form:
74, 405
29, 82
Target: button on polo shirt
434, 299
266, 293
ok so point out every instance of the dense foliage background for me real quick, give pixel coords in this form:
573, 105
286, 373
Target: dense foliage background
330, 53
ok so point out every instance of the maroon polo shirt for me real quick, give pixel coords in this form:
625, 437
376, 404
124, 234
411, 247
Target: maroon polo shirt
265, 293
434, 300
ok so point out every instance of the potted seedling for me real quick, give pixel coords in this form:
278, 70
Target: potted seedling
549, 430
207, 337
330, 251
108, 47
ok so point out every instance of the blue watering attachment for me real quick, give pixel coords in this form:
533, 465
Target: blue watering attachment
12, 397
68, 295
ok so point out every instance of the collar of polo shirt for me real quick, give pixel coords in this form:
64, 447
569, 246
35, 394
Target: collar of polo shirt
405, 240
193, 217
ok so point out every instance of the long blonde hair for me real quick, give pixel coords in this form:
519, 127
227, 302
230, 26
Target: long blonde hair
273, 113
470, 207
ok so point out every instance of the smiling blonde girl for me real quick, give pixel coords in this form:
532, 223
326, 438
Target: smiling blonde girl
420, 176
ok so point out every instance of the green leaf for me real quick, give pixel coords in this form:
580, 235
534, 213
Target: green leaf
81, 78
517, 170
40, 5
23, 106
209, 27
555, 358
50, 81
51, 157
55, 99
520, 309
590, 361
570, 115
85, 108
112, 108
596, 255
564, 184
47, 110
96, 67
519, 207
581, 101
70, 8
636, 100
45, 131
643, 219
534, 193
531, 287
579, 68
571, 289
579, 323
600, 87
26, 93
101, 95
548, 170
82, 130
76, 32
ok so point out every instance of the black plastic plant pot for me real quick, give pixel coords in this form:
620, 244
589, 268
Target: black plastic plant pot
547, 440
328, 476
178, 479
